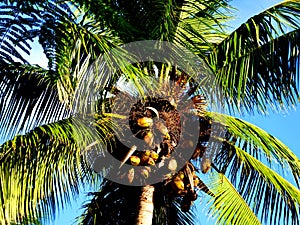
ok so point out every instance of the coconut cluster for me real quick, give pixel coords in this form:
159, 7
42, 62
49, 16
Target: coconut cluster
157, 123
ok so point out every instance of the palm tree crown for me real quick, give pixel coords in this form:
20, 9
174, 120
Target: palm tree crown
59, 126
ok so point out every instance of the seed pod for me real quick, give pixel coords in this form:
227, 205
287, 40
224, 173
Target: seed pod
145, 173
177, 184
181, 175
145, 122
151, 162
134, 160
154, 155
148, 168
144, 159
146, 153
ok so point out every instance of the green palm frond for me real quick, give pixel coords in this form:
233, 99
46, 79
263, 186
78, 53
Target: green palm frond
245, 150
43, 169
116, 17
279, 195
21, 22
152, 20
77, 46
202, 25
185, 218
16, 32
27, 99
111, 205
53, 21
271, 197
28, 221
69, 55
229, 207
257, 65
256, 142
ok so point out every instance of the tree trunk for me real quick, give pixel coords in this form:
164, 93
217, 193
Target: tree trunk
146, 206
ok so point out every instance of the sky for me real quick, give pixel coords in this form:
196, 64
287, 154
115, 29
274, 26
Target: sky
283, 125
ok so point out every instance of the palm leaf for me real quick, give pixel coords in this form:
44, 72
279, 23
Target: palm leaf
279, 195
186, 218
270, 196
21, 22
155, 20
229, 206
245, 147
256, 142
112, 205
42, 170
202, 25
70, 55
116, 17
27, 89
15, 32
79, 45
258, 63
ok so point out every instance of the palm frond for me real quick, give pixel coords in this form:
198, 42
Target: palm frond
257, 66
202, 25
28, 221
186, 218
271, 197
244, 149
279, 195
256, 142
155, 20
70, 56
21, 22
117, 17
43, 169
113, 204
27, 99
77, 45
229, 207
16, 32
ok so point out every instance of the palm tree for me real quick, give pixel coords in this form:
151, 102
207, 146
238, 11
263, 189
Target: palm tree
41, 158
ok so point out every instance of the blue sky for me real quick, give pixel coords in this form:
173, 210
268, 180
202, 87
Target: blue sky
283, 125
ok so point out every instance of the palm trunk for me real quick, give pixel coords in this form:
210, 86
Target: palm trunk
146, 206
